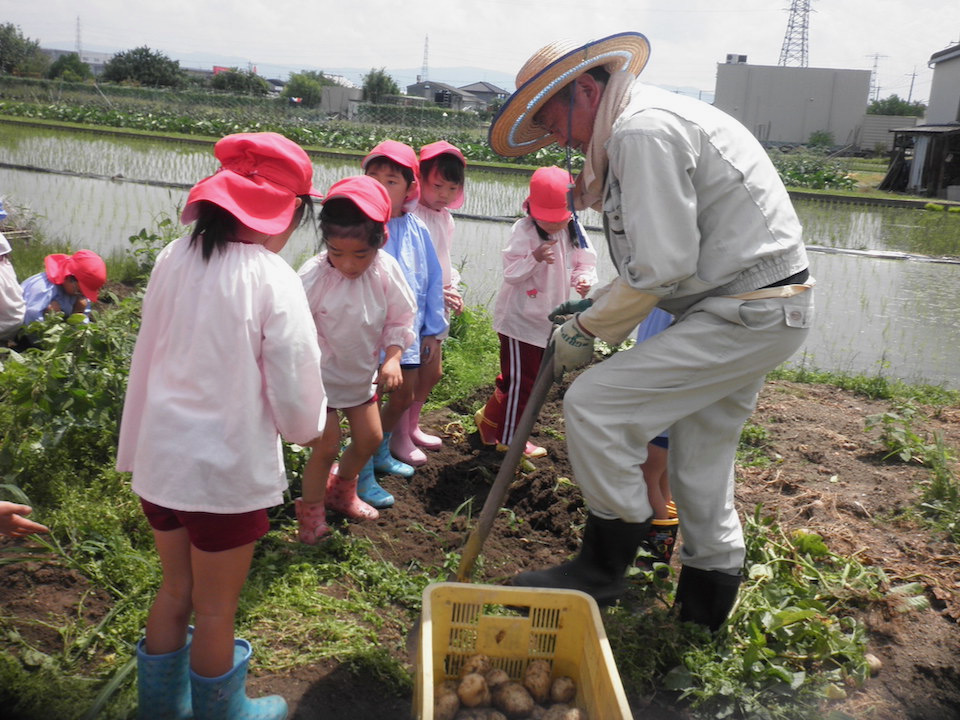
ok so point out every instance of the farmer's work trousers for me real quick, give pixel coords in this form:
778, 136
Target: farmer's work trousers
699, 378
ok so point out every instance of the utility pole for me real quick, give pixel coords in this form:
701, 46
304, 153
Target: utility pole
913, 76
424, 72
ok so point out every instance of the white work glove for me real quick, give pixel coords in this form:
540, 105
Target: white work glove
572, 347
614, 315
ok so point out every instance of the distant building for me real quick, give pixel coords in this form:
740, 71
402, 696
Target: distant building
926, 158
487, 92
445, 95
785, 105
95, 60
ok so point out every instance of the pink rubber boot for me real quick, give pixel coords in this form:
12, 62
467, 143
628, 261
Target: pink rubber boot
342, 498
401, 446
312, 525
419, 437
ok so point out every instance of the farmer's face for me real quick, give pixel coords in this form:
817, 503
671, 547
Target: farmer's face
570, 119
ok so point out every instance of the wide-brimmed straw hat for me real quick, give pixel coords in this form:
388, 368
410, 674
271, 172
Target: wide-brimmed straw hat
260, 178
512, 132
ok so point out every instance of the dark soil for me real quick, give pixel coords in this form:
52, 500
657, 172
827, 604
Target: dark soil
831, 479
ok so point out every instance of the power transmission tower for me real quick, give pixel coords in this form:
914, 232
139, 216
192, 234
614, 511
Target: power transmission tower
426, 65
79, 50
874, 76
794, 49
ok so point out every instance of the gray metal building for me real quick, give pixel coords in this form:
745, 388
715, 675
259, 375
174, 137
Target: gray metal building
785, 105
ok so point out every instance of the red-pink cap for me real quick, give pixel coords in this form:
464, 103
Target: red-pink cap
366, 193
442, 147
260, 177
549, 189
403, 155
85, 265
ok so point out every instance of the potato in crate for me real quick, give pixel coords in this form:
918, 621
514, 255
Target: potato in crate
540, 640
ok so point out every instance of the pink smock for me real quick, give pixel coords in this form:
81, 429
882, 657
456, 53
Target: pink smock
225, 363
356, 318
531, 289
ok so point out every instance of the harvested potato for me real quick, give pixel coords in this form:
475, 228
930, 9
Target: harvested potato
496, 676
478, 663
446, 702
538, 712
561, 711
473, 691
479, 714
536, 679
563, 689
513, 700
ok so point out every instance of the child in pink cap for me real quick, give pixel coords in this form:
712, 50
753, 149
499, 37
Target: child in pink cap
67, 285
395, 166
226, 362
442, 168
362, 307
542, 261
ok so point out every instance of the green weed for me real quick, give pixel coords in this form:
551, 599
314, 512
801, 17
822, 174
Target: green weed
790, 643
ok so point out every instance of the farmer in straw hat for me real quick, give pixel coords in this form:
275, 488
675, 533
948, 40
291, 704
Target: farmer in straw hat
698, 223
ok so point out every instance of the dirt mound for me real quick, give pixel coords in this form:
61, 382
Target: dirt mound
830, 478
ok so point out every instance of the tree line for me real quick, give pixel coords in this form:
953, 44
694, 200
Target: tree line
145, 67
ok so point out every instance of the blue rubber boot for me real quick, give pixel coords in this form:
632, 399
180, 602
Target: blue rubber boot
163, 683
369, 490
225, 697
384, 462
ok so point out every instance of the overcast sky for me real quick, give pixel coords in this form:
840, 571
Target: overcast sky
688, 37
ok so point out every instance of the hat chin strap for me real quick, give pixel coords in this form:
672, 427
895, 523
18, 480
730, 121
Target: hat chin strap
581, 239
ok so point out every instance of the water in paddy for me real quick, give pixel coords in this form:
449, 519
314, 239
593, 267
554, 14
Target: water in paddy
896, 316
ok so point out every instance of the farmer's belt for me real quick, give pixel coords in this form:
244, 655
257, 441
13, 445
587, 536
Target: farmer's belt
788, 287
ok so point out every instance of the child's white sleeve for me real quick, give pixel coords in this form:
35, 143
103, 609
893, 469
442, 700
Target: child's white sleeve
291, 365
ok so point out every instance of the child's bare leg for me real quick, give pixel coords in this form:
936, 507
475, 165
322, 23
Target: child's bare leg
218, 580
429, 375
399, 400
170, 613
365, 437
323, 453
654, 468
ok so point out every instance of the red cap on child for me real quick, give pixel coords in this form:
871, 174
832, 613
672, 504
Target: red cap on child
549, 188
403, 155
442, 147
85, 265
260, 177
364, 192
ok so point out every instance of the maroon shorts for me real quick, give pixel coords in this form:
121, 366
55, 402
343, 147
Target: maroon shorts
210, 532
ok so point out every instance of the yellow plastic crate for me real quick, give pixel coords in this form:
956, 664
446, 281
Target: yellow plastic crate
562, 627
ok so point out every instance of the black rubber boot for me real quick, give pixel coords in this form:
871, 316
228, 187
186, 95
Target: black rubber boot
706, 597
608, 547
